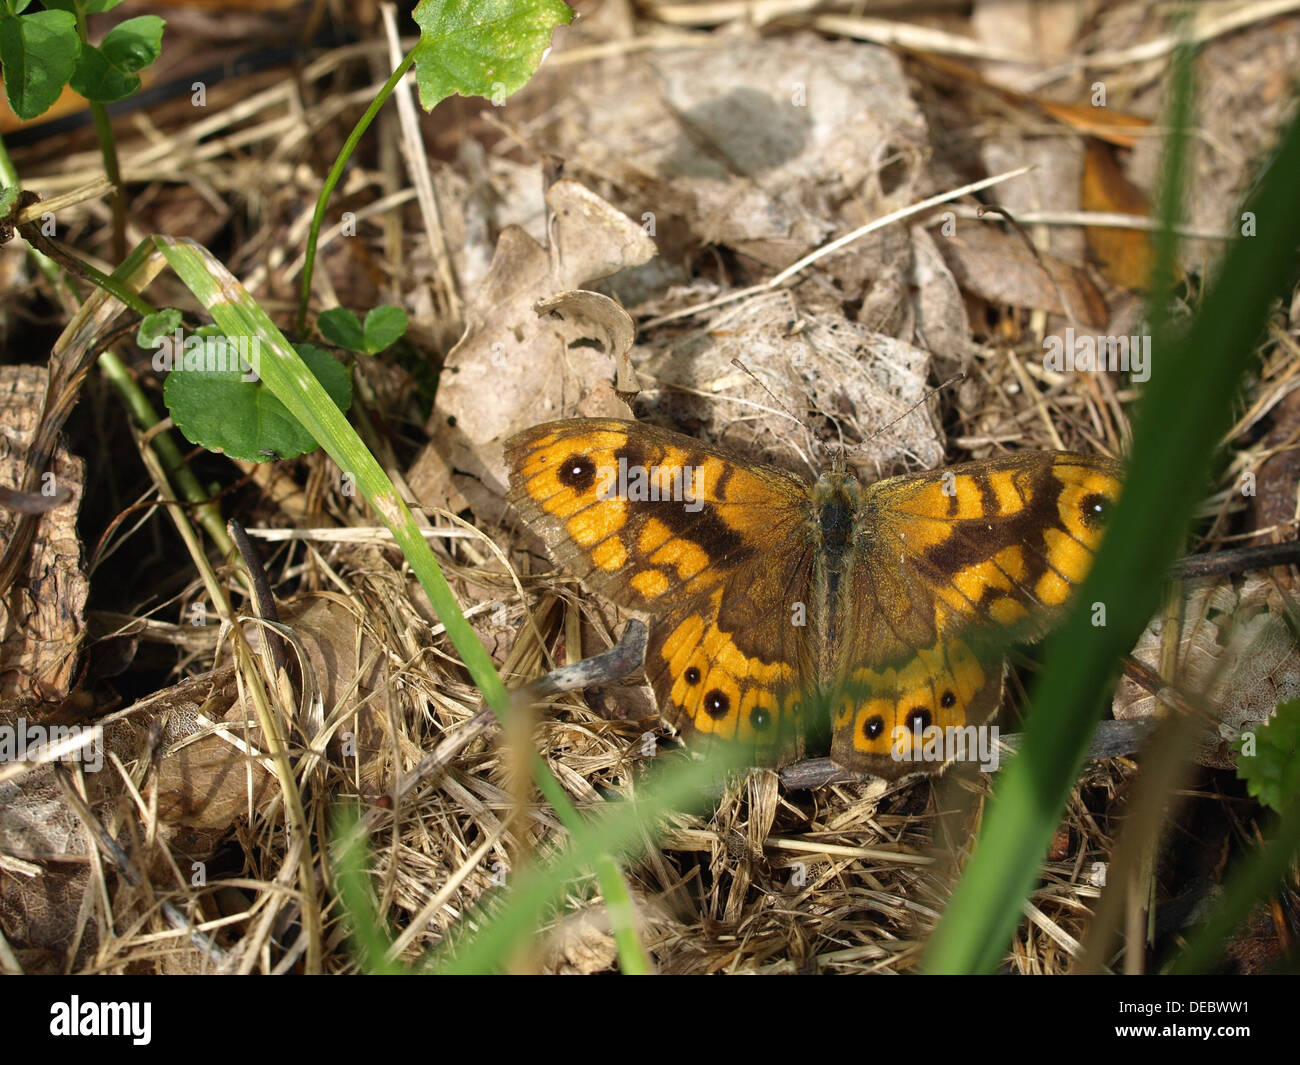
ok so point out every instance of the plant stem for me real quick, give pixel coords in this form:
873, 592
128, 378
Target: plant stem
108, 151
332, 180
182, 477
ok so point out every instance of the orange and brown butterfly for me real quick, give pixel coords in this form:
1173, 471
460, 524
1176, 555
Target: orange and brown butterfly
775, 602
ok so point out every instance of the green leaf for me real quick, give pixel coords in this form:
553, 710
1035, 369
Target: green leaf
341, 327
38, 54
482, 47
108, 73
8, 198
215, 403
384, 325
154, 327
1267, 761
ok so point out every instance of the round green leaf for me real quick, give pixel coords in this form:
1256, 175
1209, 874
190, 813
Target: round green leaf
38, 53
384, 325
341, 327
215, 405
481, 47
108, 73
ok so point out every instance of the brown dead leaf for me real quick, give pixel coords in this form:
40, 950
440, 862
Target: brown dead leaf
202, 778
42, 612
597, 319
1122, 255
515, 367
205, 781
1000, 269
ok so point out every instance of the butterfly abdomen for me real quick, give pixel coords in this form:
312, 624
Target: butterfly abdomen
836, 506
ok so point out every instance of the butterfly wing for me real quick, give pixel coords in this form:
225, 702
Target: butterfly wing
950, 566
714, 547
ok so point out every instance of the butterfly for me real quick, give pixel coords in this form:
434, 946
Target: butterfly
780, 608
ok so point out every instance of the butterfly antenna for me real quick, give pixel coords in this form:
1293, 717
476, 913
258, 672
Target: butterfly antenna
771, 395
933, 392
813, 441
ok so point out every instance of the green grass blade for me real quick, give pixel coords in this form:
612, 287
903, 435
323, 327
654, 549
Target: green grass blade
618, 828
284, 372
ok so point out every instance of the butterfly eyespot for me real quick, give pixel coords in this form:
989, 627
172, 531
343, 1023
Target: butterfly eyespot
716, 704
1094, 510
760, 718
577, 472
918, 719
873, 727
947, 700
692, 675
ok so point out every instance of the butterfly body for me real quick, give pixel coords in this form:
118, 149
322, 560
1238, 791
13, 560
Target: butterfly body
776, 604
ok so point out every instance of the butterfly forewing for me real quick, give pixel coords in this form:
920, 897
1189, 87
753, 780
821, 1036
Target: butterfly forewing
651, 518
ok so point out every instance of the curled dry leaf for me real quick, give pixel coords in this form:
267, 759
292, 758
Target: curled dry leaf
590, 316
202, 778
513, 367
205, 781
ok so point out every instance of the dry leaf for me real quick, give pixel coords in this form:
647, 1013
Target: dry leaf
42, 613
513, 367
1235, 650
1000, 269
1122, 255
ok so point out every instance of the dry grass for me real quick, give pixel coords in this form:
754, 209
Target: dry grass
848, 877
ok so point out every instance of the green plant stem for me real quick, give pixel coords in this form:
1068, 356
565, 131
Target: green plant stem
184, 482
332, 180
108, 152
164, 444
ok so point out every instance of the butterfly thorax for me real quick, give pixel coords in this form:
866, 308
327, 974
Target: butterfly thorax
836, 507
